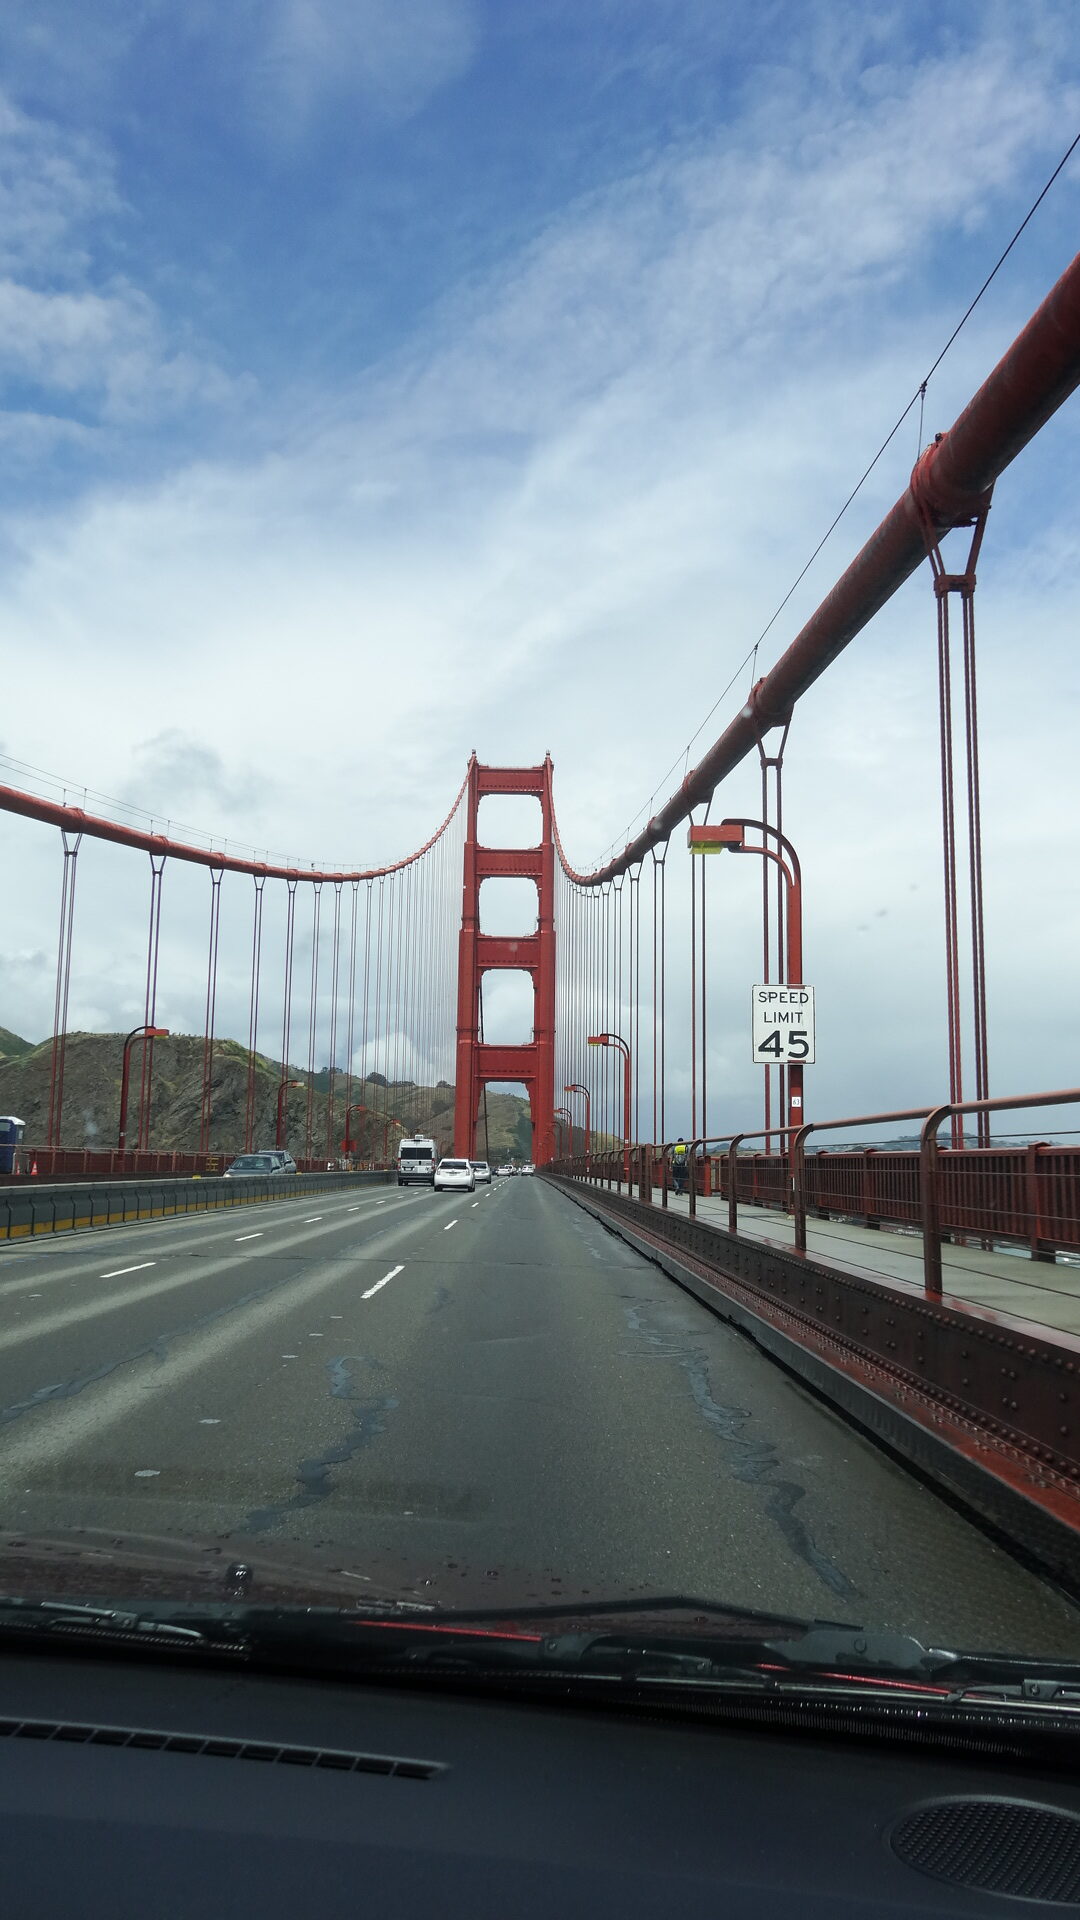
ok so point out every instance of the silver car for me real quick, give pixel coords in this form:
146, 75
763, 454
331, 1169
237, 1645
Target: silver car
481, 1172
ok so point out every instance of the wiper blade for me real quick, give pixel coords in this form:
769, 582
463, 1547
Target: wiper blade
69, 1618
396, 1638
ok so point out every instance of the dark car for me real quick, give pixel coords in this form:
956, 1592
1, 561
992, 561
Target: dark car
264, 1165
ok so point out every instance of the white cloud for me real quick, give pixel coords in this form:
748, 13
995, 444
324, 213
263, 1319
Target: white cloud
561, 515
87, 338
296, 59
111, 346
55, 183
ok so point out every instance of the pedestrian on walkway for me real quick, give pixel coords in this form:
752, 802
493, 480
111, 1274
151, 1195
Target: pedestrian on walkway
680, 1159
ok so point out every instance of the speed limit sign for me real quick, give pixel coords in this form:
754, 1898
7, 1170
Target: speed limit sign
782, 1026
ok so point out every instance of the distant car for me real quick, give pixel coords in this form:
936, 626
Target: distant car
481, 1172
454, 1173
503, 1171
528, 1167
272, 1162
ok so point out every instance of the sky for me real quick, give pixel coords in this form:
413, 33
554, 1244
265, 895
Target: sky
381, 383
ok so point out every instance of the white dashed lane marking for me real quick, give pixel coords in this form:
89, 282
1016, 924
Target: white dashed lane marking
115, 1273
381, 1283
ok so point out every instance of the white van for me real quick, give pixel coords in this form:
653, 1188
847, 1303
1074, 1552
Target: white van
416, 1161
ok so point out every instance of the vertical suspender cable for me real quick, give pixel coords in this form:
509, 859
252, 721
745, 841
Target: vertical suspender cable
157, 869
703, 864
693, 1001
331, 1077
253, 1010
71, 844
351, 1034
365, 1062
287, 993
313, 1018
206, 1108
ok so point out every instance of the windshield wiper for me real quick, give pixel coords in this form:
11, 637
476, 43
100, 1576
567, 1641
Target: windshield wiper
817, 1656
69, 1619
530, 1645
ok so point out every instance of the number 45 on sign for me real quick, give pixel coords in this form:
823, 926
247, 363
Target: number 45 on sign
783, 1026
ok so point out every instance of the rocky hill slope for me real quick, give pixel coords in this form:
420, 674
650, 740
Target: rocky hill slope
92, 1100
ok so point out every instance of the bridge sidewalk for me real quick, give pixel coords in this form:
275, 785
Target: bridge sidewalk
1048, 1294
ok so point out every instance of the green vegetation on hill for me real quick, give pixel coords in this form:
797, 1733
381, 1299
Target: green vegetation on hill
11, 1045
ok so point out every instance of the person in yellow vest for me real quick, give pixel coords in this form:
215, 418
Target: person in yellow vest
680, 1160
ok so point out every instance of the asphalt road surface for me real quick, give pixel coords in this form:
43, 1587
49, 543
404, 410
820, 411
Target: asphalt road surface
467, 1399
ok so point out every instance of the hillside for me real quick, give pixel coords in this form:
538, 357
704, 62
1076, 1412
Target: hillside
92, 1100
11, 1045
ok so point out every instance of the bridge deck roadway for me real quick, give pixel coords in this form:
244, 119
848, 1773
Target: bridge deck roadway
475, 1399
1045, 1292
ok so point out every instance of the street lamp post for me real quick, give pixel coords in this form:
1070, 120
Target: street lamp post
282, 1096
577, 1086
357, 1107
616, 1040
151, 1033
564, 1119
730, 837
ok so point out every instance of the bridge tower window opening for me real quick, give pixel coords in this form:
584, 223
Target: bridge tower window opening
509, 907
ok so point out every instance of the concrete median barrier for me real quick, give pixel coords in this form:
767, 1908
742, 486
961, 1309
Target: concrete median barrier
33, 1209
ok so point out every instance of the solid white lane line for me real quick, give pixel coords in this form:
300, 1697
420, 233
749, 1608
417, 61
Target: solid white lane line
116, 1271
380, 1283
247, 1236
449, 1224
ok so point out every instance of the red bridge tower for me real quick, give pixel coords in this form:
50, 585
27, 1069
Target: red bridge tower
480, 953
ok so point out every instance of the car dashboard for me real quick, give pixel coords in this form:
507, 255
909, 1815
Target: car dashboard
134, 1788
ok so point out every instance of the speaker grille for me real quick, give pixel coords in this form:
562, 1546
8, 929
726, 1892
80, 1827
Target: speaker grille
1000, 1846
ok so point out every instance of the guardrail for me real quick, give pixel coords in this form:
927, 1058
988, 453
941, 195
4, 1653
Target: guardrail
1028, 1195
112, 1163
27, 1210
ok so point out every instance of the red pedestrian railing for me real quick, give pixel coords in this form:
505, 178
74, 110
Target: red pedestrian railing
1027, 1194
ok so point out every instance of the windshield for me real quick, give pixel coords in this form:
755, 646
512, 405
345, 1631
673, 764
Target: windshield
510, 670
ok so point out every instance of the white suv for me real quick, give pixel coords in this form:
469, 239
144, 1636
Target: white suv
454, 1173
